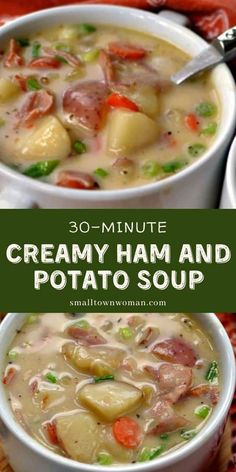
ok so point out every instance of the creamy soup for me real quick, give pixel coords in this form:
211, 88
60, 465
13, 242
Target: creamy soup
112, 388
92, 107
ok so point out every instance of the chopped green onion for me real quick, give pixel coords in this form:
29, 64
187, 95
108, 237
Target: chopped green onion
150, 454
12, 355
206, 109
144, 455
79, 147
33, 84
103, 378
82, 324
50, 377
40, 169
2, 122
126, 333
209, 130
85, 28
61, 59
173, 166
196, 149
202, 411
186, 435
213, 372
99, 172
164, 436
63, 47
23, 42
36, 50
90, 56
151, 169
156, 452
104, 458
32, 319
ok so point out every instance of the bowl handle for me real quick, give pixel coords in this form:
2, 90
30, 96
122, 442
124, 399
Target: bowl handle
10, 199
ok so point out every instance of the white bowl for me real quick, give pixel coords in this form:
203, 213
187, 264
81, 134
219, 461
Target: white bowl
228, 198
25, 453
197, 186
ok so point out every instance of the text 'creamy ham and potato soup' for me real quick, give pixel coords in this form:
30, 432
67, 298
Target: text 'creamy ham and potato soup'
92, 107
112, 388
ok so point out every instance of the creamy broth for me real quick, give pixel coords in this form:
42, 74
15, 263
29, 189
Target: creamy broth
92, 107
112, 388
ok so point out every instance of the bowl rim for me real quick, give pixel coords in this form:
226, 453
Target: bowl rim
227, 121
180, 454
230, 176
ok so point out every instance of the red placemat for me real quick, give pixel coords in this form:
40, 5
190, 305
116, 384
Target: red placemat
209, 17
229, 322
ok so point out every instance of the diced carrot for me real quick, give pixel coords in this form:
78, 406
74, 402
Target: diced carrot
127, 432
191, 122
126, 51
76, 180
45, 63
9, 376
51, 431
120, 101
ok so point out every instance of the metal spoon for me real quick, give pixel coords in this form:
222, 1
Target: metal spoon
222, 49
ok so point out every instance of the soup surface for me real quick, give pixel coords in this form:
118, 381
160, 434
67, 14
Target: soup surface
112, 388
92, 107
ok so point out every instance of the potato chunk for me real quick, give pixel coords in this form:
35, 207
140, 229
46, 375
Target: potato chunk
145, 96
80, 436
129, 131
110, 399
95, 360
48, 141
8, 90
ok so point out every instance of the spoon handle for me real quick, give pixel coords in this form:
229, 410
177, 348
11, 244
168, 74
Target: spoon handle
222, 49
226, 44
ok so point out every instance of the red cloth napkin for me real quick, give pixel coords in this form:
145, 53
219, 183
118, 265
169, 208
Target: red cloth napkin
209, 17
229, 322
